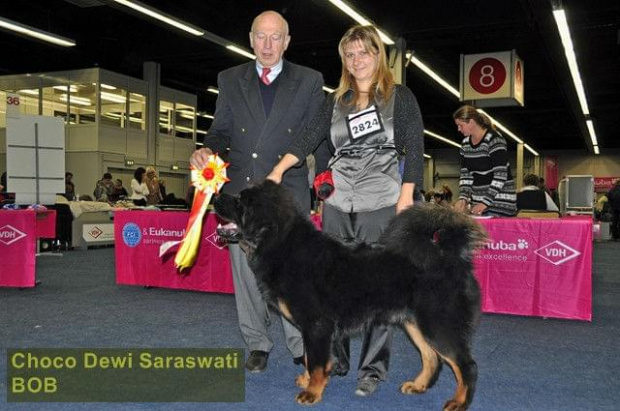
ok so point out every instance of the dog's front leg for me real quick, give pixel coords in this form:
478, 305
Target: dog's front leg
317, 341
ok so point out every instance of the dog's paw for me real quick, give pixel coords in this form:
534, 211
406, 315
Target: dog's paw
302, 380
452, 405
411, 387
307, 398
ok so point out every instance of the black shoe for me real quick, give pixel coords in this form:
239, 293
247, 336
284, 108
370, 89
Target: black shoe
338, 372
257, 361
299, 360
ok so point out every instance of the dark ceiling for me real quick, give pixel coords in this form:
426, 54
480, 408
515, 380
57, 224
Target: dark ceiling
437, 31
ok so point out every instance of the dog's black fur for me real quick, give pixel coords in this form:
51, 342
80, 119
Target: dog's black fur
420, 276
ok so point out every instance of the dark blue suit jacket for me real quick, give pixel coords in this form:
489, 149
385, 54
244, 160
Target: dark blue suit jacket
254, 142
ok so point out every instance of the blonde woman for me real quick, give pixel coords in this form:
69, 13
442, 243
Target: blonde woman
368, 122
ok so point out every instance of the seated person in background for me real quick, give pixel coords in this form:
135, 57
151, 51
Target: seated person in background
104, 188
439, 198
532, 198
119, 191
447, 193
69, 187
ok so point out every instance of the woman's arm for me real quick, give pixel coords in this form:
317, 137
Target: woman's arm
409, 136
306, 142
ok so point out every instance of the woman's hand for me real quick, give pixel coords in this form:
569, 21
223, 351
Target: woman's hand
288, 161
403, 203
478, 209
274, 176
460, 205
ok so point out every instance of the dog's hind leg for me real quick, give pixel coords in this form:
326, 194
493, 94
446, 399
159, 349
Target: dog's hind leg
457, 354
431, 366
317, 341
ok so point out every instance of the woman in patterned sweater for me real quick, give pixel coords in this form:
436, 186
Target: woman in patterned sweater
486, 186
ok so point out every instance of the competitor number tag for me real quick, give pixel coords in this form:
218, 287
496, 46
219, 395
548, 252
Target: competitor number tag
364, 123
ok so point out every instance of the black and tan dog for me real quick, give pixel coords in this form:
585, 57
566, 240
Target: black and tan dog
419, 276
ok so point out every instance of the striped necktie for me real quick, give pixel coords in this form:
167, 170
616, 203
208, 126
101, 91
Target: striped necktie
264, 77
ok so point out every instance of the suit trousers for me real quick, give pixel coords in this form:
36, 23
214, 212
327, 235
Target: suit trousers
252, 311
375, 354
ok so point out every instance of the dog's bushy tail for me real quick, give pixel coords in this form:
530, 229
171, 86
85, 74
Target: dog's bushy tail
430, 234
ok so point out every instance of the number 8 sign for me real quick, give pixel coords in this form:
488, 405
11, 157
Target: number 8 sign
490, 79
487, 75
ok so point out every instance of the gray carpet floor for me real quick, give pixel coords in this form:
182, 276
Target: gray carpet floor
524, 363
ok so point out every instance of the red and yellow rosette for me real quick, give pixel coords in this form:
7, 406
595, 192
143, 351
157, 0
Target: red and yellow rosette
207, 182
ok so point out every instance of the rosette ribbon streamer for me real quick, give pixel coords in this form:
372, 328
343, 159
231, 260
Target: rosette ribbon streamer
207, 182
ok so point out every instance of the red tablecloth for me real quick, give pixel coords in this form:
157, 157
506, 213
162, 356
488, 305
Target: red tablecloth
137, 237
537, 267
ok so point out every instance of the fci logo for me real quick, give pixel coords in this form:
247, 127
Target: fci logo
10, 234
557, 252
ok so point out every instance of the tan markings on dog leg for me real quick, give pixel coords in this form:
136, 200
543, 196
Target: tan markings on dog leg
284, 310
458, 402
303, 380
314, 392
430, 362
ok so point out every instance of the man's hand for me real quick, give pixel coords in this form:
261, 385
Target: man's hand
200, 158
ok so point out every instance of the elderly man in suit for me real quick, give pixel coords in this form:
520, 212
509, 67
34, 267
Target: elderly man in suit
260, 109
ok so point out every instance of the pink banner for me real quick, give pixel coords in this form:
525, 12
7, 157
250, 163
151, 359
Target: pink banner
17, 248
604, 184
537, 267
138, 235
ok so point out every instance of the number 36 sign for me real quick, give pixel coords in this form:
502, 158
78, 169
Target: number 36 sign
492, 79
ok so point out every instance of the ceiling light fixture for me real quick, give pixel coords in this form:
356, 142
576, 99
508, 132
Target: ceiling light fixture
426, 69
213, 90
355, 15
81, 101
241, 51
156, 14
564, 31
114, 98
36, 33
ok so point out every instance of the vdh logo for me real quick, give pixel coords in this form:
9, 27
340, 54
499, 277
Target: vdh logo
10, 234
557, 252
131, 234
521, 244
216, 240
95, 232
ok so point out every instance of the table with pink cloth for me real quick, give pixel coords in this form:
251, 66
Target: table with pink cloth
537, 267
533, 267
137, 237
19, 230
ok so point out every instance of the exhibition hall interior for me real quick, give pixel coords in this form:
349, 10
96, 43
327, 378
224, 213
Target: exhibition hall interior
100, 98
